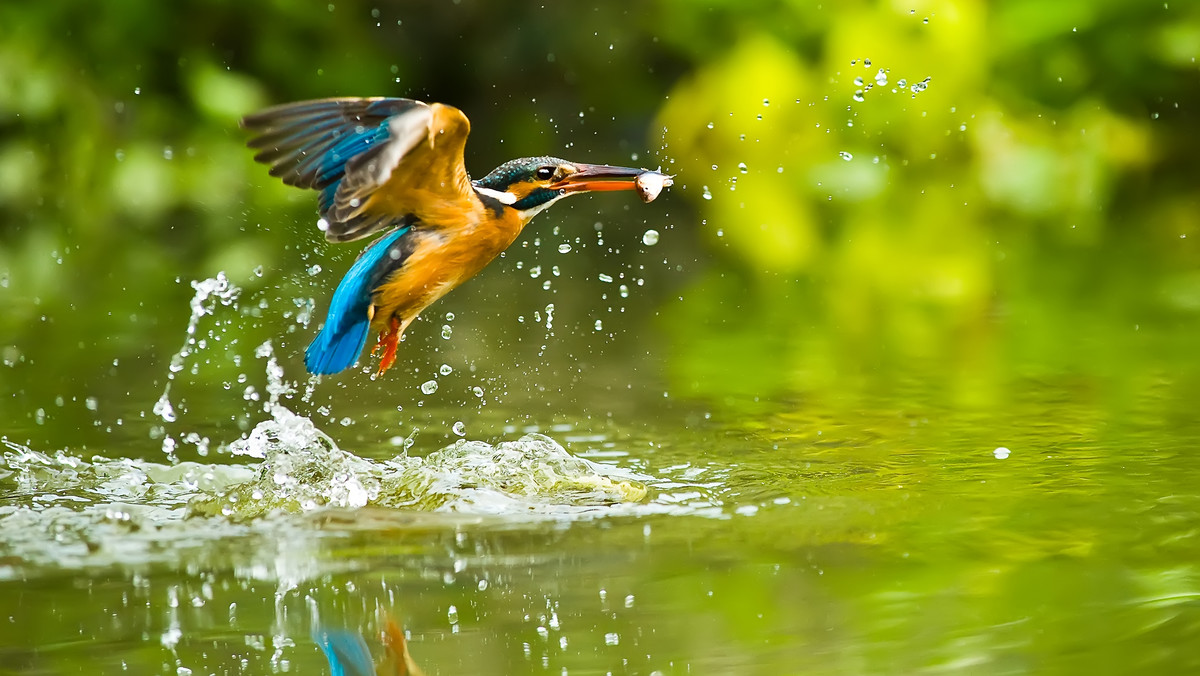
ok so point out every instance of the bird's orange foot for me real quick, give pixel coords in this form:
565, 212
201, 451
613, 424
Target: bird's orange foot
388, 339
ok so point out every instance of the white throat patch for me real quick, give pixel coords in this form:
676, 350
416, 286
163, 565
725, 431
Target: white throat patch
501, 197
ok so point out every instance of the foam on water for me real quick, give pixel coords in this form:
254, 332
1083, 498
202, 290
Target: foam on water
303, 469
62, 510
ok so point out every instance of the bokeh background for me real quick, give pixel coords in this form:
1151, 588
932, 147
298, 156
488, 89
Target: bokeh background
902, 234
864, 188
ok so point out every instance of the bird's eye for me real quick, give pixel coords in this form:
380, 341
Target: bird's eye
544, 173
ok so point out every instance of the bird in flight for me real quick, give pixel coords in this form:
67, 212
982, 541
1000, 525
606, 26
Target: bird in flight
393, 168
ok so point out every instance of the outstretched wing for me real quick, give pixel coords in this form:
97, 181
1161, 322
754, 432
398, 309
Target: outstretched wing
376, 161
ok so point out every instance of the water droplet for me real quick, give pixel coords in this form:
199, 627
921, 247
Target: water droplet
612, 638
478, 391
314, 270
881, 77
452, 615
460, 428
845, 155
445, 370
163, 408
447, 331
606, 278
858, 81
564, 248
624, 291
1001, 453
742, 167
766, 102
710, 125
858, 96
599, 325
650, 237
258, 271
449, 316
706, 194
429, 386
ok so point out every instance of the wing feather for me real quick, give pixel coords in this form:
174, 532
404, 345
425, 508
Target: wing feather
376, 161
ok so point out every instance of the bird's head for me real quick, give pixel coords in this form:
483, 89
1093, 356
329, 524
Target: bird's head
530, 184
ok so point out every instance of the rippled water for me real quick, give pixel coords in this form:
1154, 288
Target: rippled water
896, 533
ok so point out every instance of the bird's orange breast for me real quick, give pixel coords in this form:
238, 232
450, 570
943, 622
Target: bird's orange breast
445, 256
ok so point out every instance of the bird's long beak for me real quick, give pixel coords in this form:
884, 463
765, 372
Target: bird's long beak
598, 177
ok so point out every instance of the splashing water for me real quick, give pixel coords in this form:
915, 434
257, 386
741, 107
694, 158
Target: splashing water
303, 470
880, 79
209, 293
66, 511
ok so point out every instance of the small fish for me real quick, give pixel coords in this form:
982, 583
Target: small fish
650, 183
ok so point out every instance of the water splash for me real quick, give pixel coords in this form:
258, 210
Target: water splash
286, 477
303, 470
209, 294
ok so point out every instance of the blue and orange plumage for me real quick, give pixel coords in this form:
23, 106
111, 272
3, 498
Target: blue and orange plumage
348, 654
395, 166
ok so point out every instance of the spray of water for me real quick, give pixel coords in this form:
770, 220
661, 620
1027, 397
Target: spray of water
209, 294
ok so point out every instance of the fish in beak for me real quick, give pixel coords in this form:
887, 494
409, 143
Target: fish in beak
602, 177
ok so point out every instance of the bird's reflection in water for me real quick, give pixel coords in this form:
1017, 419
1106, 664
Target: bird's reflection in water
349, 655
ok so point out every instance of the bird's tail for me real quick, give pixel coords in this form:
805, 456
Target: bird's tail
336, 348
344, 335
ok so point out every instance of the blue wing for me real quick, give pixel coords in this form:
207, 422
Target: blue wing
317, 144
346, 651
344, 335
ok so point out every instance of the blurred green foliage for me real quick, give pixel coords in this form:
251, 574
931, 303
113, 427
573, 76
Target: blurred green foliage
860, 187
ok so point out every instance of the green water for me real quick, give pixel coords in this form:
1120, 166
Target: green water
875, 528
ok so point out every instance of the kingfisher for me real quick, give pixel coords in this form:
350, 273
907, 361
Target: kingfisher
393, 168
